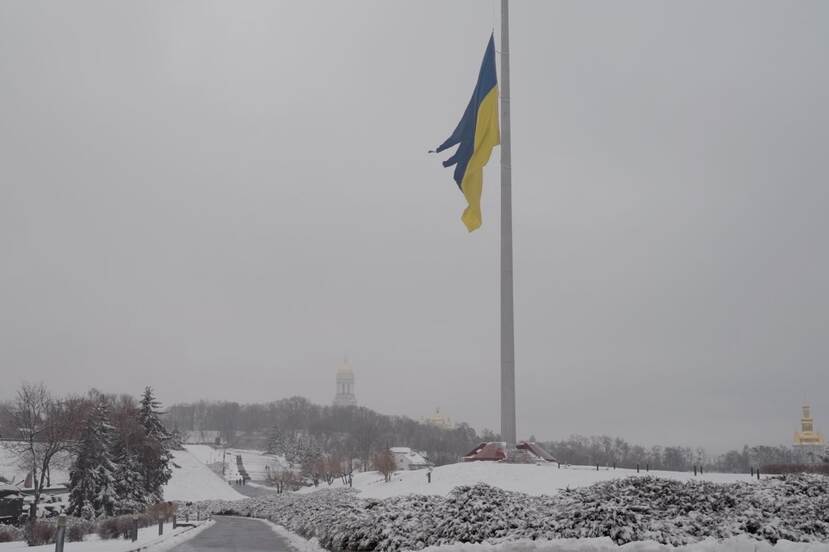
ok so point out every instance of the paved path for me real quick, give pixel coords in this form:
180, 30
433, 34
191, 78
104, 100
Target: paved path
234, 534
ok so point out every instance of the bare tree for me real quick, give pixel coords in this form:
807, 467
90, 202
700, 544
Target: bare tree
283, 480
45, 427
385, 464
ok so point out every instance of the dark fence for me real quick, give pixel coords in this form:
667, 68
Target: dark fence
795, 468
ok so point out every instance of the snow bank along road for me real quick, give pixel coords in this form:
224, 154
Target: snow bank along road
236, 534
148, 540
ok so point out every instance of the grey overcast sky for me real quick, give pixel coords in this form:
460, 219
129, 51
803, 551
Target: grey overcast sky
223, 199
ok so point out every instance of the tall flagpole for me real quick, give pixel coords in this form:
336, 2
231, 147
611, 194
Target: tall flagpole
507, 318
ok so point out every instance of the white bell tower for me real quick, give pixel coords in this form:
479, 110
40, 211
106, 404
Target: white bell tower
345, 386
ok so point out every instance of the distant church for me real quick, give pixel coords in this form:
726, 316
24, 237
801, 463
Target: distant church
438, 420
345, 386
808, 443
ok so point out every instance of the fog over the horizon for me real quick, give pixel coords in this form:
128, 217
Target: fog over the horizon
224, 199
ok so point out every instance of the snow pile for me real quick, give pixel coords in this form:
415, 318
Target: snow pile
794, 508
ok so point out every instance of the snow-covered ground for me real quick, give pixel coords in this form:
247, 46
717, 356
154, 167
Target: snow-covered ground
147, 537
525, 478
192, 480
205, 453
545, 479
258, 463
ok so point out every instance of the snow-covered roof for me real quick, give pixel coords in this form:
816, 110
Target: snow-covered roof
413, 457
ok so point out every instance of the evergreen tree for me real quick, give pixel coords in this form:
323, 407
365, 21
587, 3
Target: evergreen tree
156, 453
129, 487
92, 476
127, 454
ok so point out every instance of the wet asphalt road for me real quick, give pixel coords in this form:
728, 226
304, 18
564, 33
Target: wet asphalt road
232, 534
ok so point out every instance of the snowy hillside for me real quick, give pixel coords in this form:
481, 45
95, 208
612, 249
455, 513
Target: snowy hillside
525, 478
257, 463
193, 480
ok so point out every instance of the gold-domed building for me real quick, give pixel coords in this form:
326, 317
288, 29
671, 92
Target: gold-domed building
438, 420
809, 445
345, 386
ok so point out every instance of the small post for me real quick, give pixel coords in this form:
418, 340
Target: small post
187, 517
160, 526
61, 534
614, 465
647, 468
134, 528
597, 467
559, 465
198, 513
758, 473
752, 471
637, 468
695, 470
175, 521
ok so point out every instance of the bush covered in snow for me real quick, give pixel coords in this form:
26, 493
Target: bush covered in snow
9, 533
794, 508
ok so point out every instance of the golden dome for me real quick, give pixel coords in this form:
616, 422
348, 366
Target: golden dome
345, 369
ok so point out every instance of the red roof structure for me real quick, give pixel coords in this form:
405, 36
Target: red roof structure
536, 450
494, 451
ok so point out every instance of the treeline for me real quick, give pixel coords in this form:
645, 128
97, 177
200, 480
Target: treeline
610, 451
303, 431
118, 450
343, 431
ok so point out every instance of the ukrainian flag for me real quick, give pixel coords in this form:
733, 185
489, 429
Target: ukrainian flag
477, 134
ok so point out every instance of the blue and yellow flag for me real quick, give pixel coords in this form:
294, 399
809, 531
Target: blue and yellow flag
477, 134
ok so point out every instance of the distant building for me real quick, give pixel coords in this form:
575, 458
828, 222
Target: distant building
345, 386
809, 445
439, 420
407, 459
